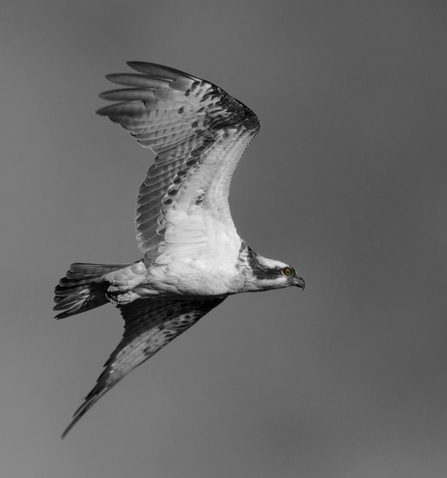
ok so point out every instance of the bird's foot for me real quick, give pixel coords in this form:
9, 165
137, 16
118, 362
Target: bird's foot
119, 298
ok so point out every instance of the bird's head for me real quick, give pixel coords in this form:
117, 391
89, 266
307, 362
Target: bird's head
269, 274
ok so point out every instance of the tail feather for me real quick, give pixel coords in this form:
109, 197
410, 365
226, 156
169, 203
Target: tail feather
82, 288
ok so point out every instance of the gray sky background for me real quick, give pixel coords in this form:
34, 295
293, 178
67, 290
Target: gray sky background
346, 182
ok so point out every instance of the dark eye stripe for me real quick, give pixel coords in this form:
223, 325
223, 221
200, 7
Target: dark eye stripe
260, 271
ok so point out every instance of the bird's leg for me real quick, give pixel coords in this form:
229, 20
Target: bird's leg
127, 278
123, 281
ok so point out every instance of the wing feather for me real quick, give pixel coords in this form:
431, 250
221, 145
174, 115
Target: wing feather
150, 324
198, 133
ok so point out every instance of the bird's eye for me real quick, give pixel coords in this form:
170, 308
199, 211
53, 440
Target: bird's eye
287, 271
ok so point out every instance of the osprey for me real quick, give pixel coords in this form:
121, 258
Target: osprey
193, 257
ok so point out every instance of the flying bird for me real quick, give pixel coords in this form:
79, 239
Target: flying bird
193, 256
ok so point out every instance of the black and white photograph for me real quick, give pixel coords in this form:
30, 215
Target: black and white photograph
264, 182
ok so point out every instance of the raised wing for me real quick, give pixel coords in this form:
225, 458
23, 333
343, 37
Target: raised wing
150, 325
199, 133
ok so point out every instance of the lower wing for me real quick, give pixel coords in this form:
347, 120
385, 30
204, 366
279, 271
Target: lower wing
150, 324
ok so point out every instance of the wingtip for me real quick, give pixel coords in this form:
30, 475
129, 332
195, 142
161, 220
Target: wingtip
99, 110
140, 66
131, 64
80, 412
65, 433
97, 392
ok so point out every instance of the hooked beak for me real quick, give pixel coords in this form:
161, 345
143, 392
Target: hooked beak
299, 282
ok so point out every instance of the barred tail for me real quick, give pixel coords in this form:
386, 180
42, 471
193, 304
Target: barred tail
83, 288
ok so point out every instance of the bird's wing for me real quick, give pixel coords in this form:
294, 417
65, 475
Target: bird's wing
198, 133
150, 324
